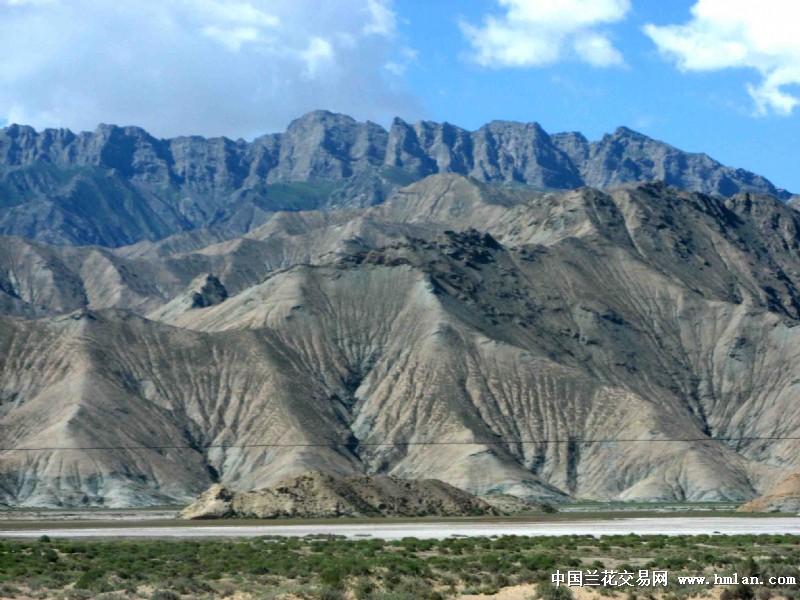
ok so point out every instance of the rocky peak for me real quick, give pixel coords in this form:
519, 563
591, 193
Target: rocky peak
324, 145
404, 150
203, 292
130, 150
208, 291
573, 144
627, 133
15, 131
522, 153
448, 147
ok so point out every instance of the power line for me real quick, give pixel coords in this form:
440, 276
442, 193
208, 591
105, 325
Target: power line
334, 444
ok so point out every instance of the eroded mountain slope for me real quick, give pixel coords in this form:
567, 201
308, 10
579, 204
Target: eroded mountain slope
385, 340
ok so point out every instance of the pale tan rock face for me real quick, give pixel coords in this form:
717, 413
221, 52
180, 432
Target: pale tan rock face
511, 505
215, 503
316, 495
560, 350
784, 497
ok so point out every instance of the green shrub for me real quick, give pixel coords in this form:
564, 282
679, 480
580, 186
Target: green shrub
164, 595
417, 587
90, 580
548, 591
763, 593
187, 585
740, 592
74, 594
333, 577
329, 593
540, 562
363, 589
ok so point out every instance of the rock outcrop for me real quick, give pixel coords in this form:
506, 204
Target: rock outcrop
204, 291
316, 495
512, 505
784, 497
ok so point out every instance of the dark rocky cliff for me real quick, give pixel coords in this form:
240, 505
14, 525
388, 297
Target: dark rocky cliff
120, 185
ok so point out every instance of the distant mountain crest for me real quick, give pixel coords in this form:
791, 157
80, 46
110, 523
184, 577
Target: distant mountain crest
120, 185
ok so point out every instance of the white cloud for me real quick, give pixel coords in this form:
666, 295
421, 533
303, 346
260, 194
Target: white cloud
383, 20
27, 2
235, 23
407, 57
597, 50
535, 33
213, 67
318, 55
235, 12
729, 34
232, 38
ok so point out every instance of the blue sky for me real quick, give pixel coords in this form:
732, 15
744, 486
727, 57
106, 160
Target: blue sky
714, 76
709, 111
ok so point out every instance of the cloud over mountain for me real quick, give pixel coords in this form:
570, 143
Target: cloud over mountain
238, 68
535, 33
724, 34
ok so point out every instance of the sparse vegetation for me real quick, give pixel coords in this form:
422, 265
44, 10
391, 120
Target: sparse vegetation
332, 567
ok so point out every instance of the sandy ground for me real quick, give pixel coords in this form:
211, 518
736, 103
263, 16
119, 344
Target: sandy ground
528, 592
514, 592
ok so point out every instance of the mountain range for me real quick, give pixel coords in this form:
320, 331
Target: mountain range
631, 341
120, 185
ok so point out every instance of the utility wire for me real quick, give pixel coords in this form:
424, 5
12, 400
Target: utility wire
334, 444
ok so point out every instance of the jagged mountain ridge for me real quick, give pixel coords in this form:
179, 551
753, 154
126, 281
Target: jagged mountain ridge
644, 312
120, 185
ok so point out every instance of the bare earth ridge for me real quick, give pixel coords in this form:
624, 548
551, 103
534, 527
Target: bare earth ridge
784, 497
316, 495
